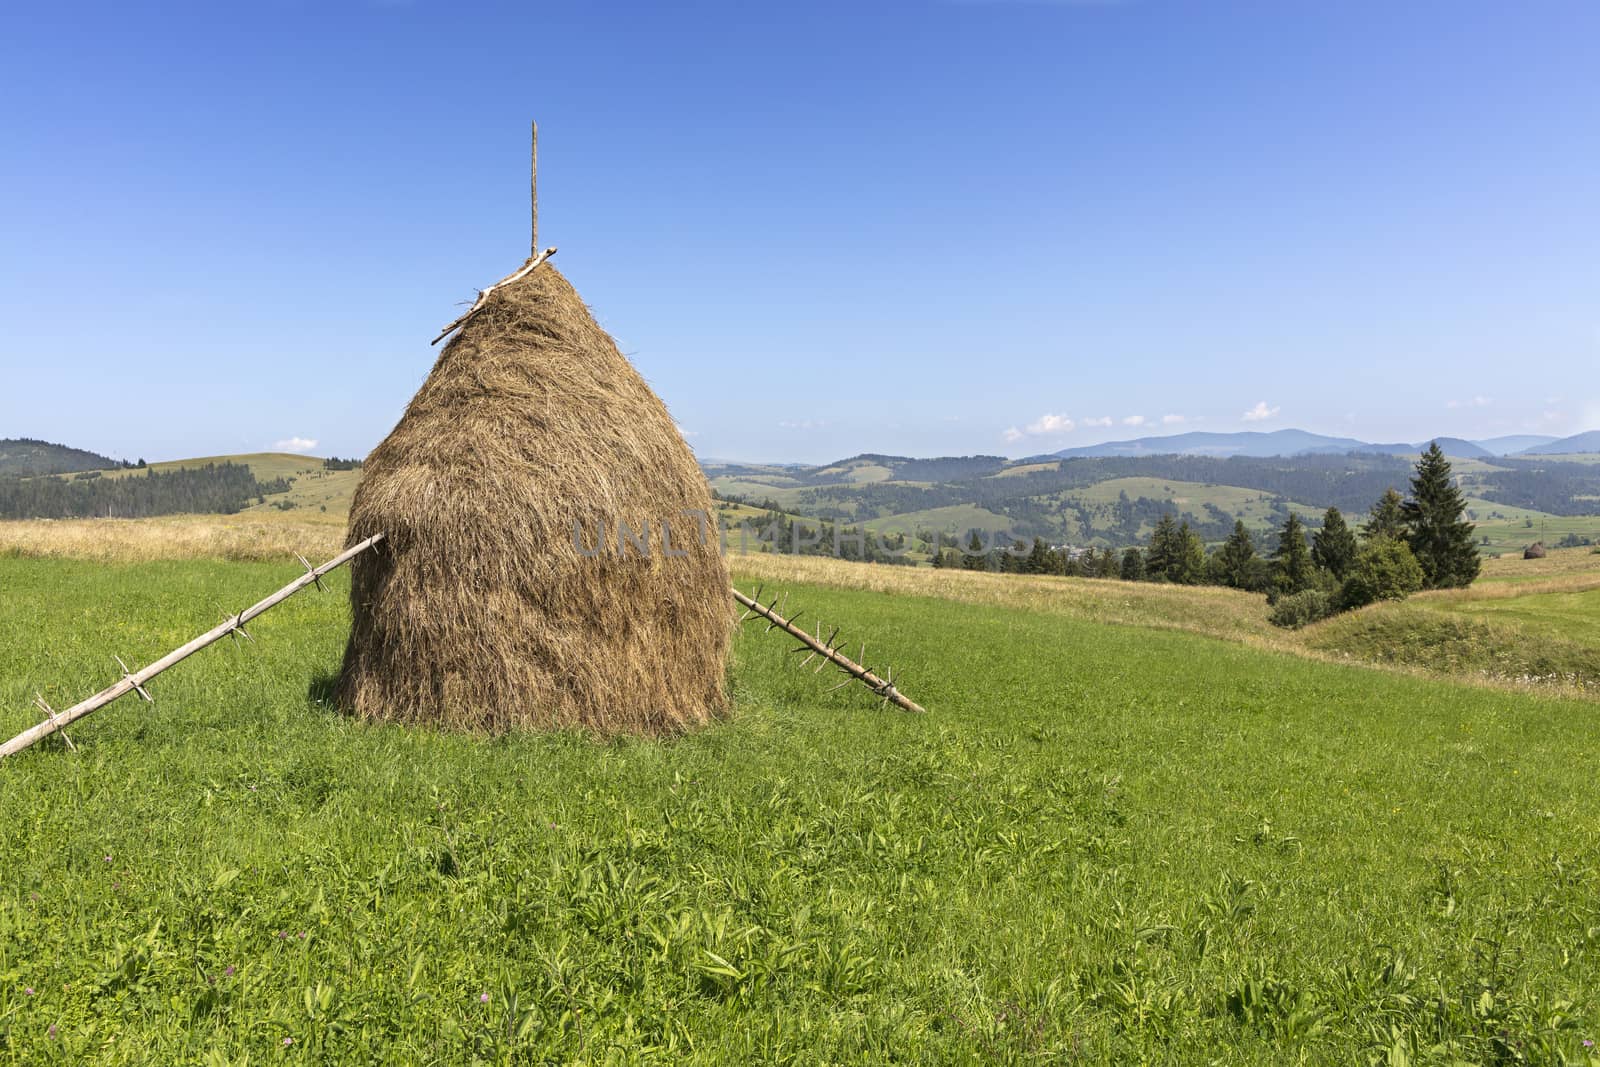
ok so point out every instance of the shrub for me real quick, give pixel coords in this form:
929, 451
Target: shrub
1385, 570
1294, 610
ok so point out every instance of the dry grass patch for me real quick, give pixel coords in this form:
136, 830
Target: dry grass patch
247, 538
1225, 613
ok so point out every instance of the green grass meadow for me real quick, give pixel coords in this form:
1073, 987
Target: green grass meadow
1104, 844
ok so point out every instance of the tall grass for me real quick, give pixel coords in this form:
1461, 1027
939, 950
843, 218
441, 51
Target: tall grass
1103, 844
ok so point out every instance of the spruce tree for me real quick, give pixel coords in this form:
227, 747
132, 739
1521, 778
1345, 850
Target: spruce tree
1108, 567
1387, 519
1162, 558
1235, 556
1039, 558
1439, 537
1191, 562
1292, 559
975, 559
1334, 547
1132, 565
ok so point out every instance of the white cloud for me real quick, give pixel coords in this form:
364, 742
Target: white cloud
1475, 402
1260, 412
802, 424
1103, 420
1051, 424
1133, 420
687, 433
1172, 420
1044, 426
295, 444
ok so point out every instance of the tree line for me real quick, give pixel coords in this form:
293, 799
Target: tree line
216, 488
1543, 485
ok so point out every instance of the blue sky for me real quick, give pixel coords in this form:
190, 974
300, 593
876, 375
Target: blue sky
907, 226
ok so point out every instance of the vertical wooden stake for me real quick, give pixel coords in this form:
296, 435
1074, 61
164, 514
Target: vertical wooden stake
533, 191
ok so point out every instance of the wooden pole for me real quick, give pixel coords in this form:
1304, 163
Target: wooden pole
883, 687
135, 682
533, 192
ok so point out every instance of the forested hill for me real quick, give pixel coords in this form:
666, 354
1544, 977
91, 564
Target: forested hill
1117, 500
26, 457
212, 489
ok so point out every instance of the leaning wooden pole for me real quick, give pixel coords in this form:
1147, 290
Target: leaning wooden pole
824, 647
135, 682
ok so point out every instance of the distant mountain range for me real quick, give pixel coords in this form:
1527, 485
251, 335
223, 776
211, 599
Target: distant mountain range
1578, 442
1255, 444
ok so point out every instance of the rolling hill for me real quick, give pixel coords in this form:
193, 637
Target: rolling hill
1116, 500
1103, 501
25, 457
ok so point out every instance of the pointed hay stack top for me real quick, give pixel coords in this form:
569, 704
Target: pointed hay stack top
493, 602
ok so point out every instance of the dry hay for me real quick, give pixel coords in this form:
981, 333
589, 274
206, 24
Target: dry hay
479, 610
1534, 551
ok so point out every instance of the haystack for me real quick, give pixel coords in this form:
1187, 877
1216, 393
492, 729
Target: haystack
1534, 551
506, 594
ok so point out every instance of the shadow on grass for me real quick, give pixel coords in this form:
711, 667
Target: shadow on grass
321, 690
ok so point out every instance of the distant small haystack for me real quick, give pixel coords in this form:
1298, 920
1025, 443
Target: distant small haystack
505, 594
1534, 551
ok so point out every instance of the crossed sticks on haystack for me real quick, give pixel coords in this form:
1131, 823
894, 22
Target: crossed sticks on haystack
827, 648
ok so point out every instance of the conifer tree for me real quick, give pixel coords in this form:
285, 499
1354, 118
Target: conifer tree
1292, 559
1439, 536
1039, 558
1387, 518
1161, 560
1334, 547
1132, 565
1235, 556
1191, 561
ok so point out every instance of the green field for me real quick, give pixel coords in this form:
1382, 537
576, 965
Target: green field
1105, 843
1565, 615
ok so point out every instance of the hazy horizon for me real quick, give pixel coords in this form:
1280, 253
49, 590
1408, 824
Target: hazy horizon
311, 448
